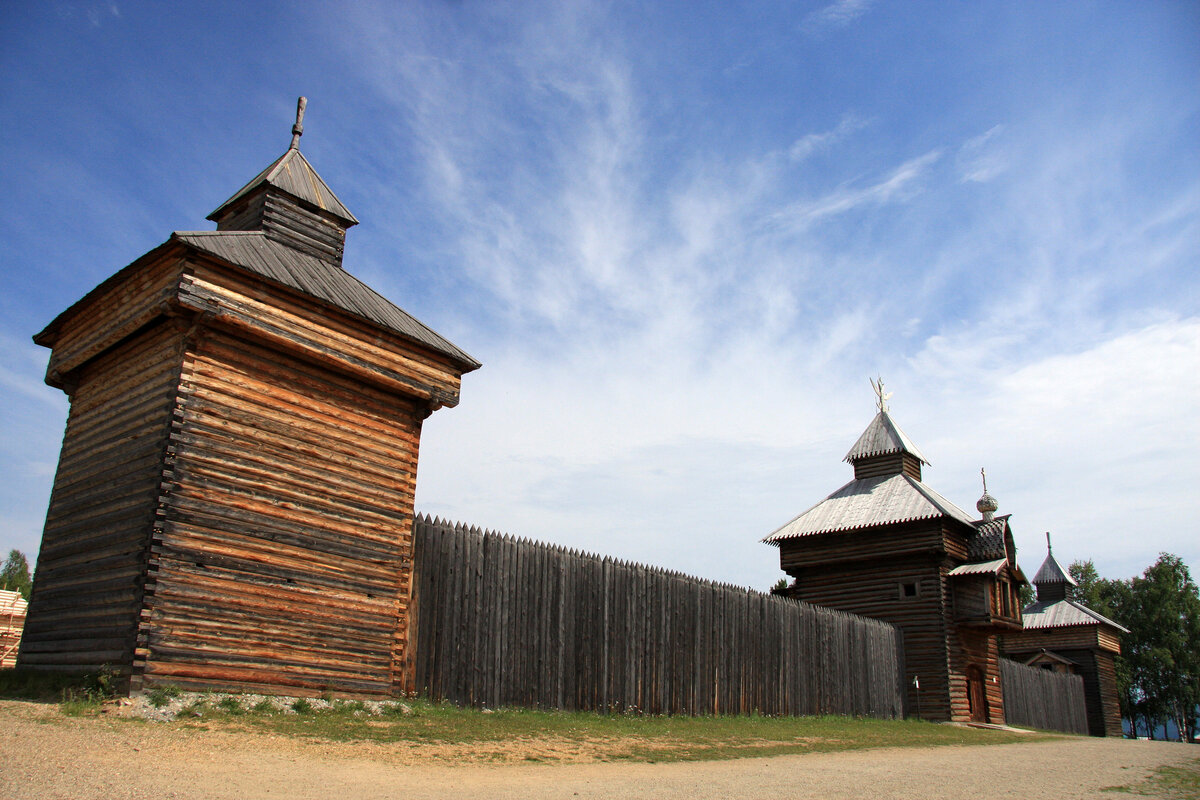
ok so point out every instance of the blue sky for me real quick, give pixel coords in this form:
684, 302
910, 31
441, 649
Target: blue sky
680, 237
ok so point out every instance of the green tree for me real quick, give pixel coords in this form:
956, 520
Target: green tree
14, 575
1027, 594
1158, 671
1168, 643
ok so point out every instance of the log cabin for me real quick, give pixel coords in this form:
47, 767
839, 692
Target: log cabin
233, 503
886, 545
1064, 635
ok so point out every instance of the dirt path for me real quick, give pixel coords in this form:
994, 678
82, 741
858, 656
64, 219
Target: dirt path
43, 755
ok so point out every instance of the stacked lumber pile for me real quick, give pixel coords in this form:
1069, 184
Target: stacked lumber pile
12, 622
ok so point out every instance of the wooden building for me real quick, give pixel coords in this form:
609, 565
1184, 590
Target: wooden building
233, 501
888, 546
1064, 635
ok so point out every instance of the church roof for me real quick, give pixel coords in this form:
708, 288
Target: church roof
292, 173
255, 252
864, 503
1052, 572
988, 541
1062, 614
882, 437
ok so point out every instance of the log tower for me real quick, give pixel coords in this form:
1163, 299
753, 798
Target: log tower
1062, 634
233, 501
888, 546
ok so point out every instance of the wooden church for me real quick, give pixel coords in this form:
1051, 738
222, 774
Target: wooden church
1064, 635
888, 546
233, 501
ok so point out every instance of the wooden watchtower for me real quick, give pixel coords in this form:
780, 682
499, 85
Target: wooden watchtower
234, 496
1063, 634
888, 546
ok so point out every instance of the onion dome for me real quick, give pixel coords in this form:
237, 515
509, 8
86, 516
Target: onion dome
987, 504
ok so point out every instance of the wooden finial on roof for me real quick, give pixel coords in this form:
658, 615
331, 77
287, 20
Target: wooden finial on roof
1049, 549
298, 128
983, 472
880, 398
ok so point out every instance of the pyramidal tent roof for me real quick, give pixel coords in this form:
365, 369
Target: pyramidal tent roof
1052, 572
882, 437
292, 173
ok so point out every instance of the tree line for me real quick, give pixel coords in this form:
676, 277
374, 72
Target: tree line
1158, 671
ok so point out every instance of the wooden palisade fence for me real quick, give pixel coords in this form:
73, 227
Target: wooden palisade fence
507, 622
1039, 698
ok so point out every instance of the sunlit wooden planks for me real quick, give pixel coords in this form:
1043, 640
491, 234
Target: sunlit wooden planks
284, 564
115, 309
289, 321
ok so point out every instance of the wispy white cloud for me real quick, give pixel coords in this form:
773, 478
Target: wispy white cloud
836, 15
896, 186
981, 159
812, 143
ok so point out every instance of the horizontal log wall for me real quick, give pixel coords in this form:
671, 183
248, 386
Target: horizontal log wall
1042, 698
876, 589
314, 331
282, 558
88, 582
503, 622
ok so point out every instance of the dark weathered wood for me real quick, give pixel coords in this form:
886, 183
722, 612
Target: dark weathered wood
1039, 698
558, 629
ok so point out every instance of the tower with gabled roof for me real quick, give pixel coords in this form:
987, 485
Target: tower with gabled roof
234, 496
886, 545
1062, 634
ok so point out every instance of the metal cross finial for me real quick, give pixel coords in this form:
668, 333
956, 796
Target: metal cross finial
983, 472
880, 398
298, 128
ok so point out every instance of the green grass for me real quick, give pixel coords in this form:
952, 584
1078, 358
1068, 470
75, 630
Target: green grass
160, 696
507, 734
609, 737
1172, 783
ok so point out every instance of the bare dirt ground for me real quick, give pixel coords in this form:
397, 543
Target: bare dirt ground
46, 755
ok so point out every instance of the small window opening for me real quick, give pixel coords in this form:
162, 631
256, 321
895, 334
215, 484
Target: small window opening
908, 590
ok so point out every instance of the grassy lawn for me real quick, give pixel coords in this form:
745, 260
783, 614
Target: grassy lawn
518, 734
639, 738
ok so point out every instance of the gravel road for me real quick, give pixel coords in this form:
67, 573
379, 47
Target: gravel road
44, 755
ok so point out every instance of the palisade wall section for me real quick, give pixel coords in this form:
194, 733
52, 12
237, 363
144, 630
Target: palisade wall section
1040, 698
506, 622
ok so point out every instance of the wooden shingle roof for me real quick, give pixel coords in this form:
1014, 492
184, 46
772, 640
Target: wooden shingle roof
868, 502
1063, 613
255, 252
882, 437
1052, 572
292, 173
988, 541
